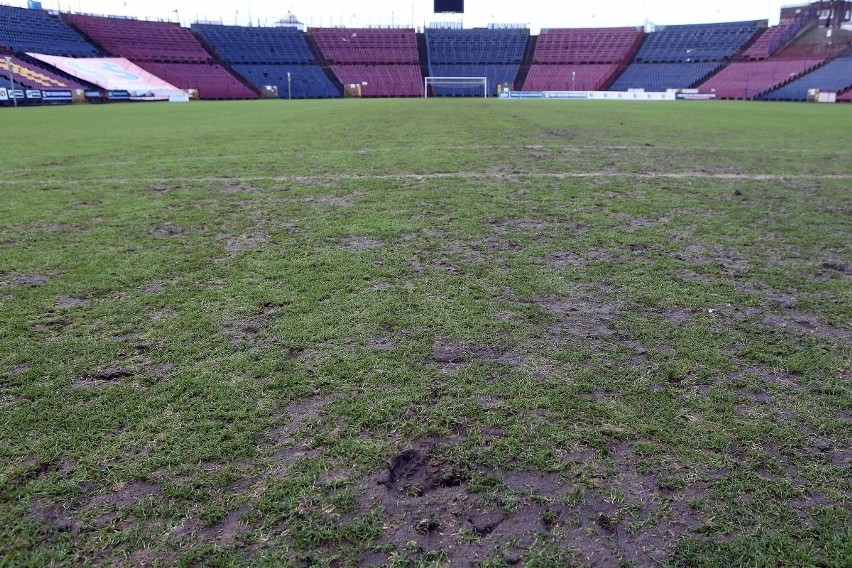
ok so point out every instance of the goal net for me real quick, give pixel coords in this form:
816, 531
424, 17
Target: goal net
455, 87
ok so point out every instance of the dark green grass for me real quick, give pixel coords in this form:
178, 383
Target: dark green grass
219, 321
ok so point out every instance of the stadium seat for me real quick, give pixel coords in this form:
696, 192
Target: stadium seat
777, 36
34, 77
593, 45
306, 81
748, 79
835, 76
492, 53
658, 77
39, 31
264, 56
386, 60
140, 40
579, 77
704, 43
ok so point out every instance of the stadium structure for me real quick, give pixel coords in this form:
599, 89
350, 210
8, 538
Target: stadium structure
52, 57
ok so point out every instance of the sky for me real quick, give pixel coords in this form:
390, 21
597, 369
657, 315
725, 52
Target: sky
536, 14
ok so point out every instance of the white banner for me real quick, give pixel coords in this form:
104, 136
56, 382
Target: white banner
114, 74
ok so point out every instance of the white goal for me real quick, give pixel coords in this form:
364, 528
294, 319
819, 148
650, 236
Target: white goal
456, 86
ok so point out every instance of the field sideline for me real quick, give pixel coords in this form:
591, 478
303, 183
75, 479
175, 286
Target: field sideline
426, 333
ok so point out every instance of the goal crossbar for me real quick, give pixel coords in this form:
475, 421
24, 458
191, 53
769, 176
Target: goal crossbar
455, 82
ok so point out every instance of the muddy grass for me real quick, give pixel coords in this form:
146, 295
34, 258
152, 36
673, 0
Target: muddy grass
427, 504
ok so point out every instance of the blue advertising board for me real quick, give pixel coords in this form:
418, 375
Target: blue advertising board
56, 96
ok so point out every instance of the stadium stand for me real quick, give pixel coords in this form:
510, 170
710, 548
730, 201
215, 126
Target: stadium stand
210, 80
580, 59
748, 79
38, 31
165, 50
34, 77
777, 36
382, 80
386, 60
366, 45
835, 76
306, 81
845, 97
139, 40
573, 77
604, 45
265, 55
260, 45
681, 56
658, 77
696, 43
492, 53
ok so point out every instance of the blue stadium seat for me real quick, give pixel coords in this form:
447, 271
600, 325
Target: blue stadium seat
476, 46
264, 56
696, 43
657, 77
306, 81
238, 44
833, 77
39, 31
492, 53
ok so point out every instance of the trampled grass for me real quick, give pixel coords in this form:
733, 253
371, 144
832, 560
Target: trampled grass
426, 333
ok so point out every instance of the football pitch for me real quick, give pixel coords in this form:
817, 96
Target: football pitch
426, 333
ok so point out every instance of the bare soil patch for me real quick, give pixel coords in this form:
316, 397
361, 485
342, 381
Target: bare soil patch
69, 302
29, 279
57, 515
690, 276
100, 378
355, 243
693, 253
448, 353
425, 506
155, 288
783, 301
126, 494
238, 187
334, 200
806, 324
18, 370
733, 263
632, 223
280, 438
519, 226
168, 230
415, 473
244, 243
580, 315
381, 343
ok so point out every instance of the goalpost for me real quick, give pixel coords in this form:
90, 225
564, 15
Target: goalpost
465, 85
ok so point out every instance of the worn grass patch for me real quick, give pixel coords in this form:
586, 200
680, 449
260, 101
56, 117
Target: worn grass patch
426, 333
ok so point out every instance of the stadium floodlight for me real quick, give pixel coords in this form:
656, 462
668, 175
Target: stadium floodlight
12, 79
472, 86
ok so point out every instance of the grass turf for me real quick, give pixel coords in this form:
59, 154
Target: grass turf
426, 333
